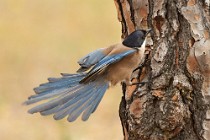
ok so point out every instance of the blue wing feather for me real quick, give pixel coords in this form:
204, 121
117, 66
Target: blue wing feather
91, 59
106, 61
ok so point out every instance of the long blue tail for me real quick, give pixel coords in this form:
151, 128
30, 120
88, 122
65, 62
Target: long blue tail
67, 97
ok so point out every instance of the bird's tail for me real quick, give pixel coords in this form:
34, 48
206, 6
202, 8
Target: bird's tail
66, 96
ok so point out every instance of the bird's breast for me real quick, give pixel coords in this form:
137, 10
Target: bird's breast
123, 69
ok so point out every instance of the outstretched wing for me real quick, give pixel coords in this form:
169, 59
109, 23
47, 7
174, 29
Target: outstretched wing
91, 59
104, 63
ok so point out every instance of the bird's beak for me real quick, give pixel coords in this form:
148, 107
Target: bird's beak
148, 31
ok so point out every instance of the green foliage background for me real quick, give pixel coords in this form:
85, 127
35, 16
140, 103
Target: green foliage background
40, 39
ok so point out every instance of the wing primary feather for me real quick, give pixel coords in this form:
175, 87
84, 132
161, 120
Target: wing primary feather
54, 102
86, 114
69, 106
79, 108
102, 64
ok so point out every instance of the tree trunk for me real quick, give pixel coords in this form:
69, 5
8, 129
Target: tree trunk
174, 102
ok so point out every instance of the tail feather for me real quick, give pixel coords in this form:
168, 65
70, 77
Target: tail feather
92, 107
82, 93
51, 93
63, 98
57, 108
54, 83
98, 100
67, 97
50, 111
69, 106
70, 110
81, 106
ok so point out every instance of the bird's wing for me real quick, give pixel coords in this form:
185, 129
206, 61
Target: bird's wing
91, 59
104, 63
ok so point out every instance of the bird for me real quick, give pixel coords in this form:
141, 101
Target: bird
78, 94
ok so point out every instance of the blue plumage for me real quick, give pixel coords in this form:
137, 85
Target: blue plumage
69, 94
92, 58
106, 61
67, 97
109, 60
75, 94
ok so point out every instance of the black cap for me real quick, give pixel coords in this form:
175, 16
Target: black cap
136, 38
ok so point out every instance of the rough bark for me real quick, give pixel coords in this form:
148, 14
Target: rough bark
174, 102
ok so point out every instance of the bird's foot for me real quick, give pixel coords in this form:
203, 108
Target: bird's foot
139, 67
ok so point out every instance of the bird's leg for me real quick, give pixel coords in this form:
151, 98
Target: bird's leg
128, 82
143, 61
139, 67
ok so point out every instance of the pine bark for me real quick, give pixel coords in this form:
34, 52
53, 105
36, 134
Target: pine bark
174, 102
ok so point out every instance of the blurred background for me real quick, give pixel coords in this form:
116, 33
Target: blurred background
40, 39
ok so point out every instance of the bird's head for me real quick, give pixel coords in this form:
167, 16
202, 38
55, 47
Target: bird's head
136, 38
